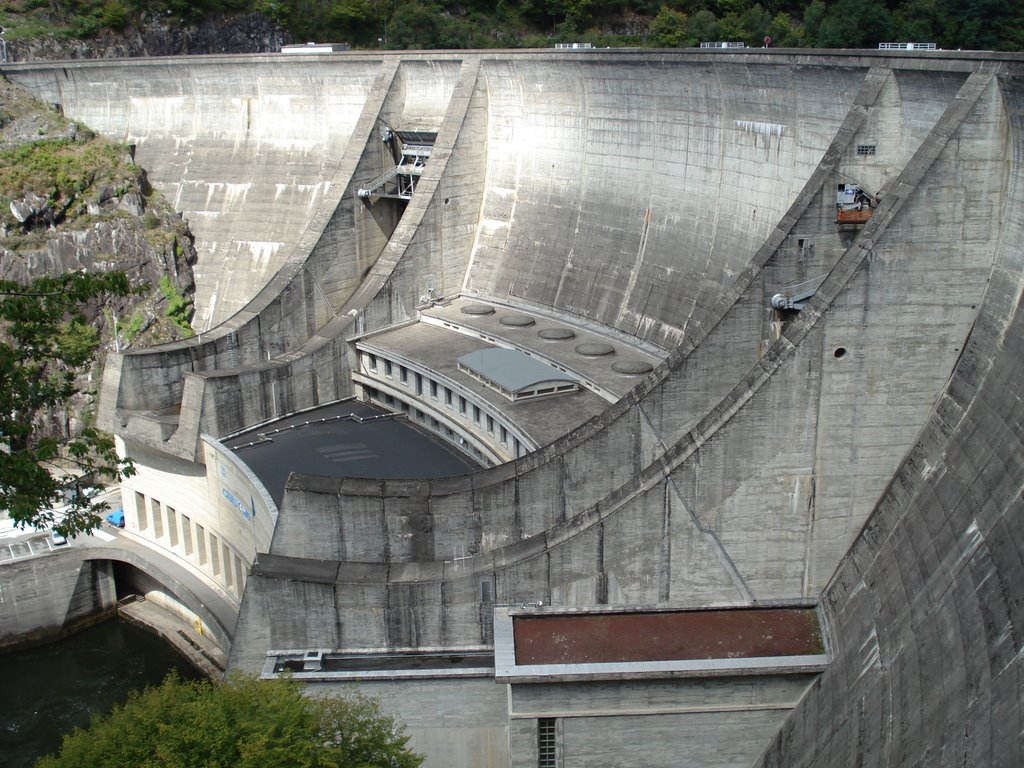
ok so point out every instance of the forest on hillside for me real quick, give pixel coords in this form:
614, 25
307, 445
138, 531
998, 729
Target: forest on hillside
409, 24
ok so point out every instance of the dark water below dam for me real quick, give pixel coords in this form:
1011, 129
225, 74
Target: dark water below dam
49, 690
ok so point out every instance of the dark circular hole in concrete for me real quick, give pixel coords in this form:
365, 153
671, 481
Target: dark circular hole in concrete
840, 352
477, 309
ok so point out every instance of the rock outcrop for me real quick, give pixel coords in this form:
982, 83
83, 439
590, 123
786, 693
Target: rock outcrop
72, 201
157, 36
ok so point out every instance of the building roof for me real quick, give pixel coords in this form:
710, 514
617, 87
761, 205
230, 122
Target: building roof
511, 369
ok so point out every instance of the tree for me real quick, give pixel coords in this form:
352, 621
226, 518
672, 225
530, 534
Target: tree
416, 25
814, 17
730, 27
783, 32
756, 23
45, 343
351, 21
703, 26
238, 723
854, 24
668, 29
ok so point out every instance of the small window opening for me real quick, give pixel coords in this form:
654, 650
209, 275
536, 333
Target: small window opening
547, 753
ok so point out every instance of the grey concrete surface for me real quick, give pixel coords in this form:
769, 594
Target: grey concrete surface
544, 420
864, 451
46, 595
926, 606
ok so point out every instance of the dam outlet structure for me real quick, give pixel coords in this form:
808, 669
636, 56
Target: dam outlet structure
726, 346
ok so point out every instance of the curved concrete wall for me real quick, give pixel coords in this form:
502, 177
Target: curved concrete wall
926, 610
241, 147
726, 476
665, 196
278, 309
629, 193
48, 595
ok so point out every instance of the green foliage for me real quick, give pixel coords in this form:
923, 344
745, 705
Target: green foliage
78, 340
271, 9
130, 331
784, 32
113, 15
44, 344
854, 24
755, 22
347, 16
966, 24
418, 24
814, 16
668, 30
703, 26
730, 27
179, 307
239, 723
59, 169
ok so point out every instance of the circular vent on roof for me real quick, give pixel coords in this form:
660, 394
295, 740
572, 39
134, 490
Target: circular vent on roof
632, 367
556, 334
594, 350
517, 321
477, 309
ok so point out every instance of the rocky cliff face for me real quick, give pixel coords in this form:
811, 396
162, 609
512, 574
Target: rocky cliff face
154, 36
70, 200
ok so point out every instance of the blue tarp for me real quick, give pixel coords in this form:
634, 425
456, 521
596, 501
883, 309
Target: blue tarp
116, 518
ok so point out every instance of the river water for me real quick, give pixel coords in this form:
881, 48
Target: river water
48, 690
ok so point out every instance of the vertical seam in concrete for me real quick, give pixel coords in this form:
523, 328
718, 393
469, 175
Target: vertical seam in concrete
811, 508
665, 585
727, 562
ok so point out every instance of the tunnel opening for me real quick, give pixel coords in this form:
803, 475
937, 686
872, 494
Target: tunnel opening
148, 603
130, 581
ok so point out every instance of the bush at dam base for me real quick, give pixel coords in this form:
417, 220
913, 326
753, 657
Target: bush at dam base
239, 723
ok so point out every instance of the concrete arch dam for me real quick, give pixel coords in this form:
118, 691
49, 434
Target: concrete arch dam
626, 219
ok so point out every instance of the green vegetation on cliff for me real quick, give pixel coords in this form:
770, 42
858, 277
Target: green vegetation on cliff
72, 201
401, 24
84, 244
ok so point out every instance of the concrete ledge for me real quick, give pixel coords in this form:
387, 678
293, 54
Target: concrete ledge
768, 665
204, 655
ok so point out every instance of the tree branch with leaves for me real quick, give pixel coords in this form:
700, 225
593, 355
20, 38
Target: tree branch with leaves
46, 343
